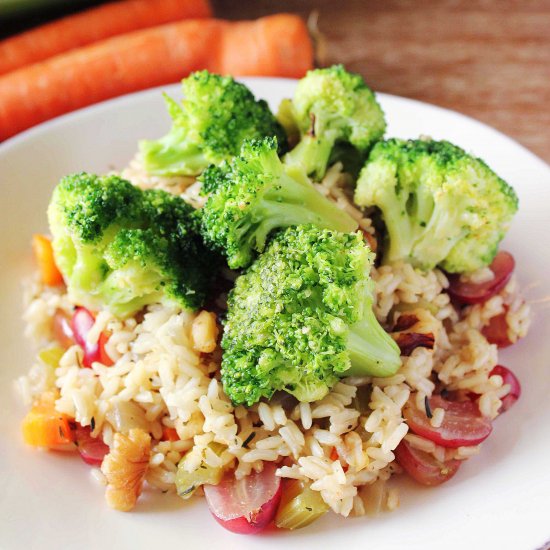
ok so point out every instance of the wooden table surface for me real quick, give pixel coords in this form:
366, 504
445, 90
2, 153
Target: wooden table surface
487, 59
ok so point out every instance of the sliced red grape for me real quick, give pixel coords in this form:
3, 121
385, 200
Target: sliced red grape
247, 505
81, 323
62, 329
475, 293
91, 449
423, 467
510, 378
463, 424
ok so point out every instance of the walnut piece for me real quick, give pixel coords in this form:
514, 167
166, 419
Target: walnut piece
204, 332
125, 467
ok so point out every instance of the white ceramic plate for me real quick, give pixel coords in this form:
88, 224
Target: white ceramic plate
498, 500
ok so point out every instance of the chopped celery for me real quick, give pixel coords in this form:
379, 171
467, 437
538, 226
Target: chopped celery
300, 506
50, 357
188, 482
423, 304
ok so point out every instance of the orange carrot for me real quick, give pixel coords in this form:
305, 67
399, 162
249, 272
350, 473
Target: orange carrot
45, 427
49, 273
169, 434
277, 45
93, 25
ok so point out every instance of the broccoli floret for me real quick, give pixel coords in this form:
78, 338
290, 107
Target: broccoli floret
216, 115
332, 107
257, 194
212, 178
122, 248
440, 205
300, 318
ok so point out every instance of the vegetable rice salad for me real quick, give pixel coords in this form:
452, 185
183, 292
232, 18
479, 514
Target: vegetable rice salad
280, 313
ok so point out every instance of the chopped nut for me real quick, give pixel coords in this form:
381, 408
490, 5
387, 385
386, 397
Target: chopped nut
125, 468
204, 332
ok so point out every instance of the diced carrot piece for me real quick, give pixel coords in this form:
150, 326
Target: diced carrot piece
334, 456
169, 434
45, 427
43, 252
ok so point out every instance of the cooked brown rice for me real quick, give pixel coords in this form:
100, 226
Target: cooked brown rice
162, 377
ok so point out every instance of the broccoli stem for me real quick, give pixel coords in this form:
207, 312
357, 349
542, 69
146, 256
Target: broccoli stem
313, 154
399, 227
292, 202
442, 232
371, 349
172, 155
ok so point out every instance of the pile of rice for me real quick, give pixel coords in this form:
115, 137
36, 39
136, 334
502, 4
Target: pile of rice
160, 379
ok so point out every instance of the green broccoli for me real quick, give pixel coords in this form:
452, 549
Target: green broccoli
123, 248
217, 114
440, 205
212, 178
257, 194
301, 317
332, 107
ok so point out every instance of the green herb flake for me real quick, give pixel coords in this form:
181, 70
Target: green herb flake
187, 491
427, 407
248, 440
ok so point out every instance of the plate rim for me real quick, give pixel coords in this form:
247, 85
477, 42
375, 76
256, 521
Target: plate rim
38, 131
90, 110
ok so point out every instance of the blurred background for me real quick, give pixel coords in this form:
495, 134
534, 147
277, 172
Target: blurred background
489, 59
